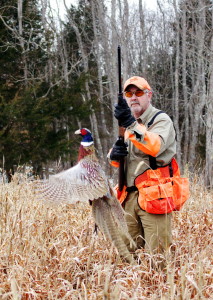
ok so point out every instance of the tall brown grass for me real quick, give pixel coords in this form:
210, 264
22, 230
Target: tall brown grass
51, 252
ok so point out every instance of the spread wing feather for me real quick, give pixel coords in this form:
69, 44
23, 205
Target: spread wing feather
83, 182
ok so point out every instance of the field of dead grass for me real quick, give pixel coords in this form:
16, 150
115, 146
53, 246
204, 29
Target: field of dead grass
52, 253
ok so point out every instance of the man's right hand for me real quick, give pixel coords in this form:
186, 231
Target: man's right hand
123, 113
119, 150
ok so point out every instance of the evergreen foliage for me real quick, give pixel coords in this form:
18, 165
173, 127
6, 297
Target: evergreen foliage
34, 129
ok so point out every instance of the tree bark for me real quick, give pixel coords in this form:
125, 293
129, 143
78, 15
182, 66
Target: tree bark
209, 120
185, 125
198, 95
176, 84
21, 39
98, 54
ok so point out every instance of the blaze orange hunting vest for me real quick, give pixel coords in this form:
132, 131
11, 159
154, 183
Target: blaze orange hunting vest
159, 193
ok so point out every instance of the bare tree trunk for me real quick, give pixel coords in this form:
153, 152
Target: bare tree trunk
209, 122
185, 125
48, 68
198, 97
124, 37
109, 56
98, 54
21, 38
112, 55
164, 37
143, 48
176, 84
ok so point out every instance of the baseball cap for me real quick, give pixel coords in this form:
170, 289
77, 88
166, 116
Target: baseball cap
138, 81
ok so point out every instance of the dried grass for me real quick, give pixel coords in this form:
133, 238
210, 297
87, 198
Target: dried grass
52, 253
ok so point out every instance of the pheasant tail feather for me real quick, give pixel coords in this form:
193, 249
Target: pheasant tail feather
113, 225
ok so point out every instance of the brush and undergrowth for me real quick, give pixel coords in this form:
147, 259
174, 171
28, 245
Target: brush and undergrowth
52, 252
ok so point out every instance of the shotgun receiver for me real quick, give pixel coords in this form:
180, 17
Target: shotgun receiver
121, 177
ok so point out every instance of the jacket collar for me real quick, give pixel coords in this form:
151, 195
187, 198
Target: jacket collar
145, 117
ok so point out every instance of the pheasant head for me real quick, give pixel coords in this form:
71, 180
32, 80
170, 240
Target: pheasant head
87, 145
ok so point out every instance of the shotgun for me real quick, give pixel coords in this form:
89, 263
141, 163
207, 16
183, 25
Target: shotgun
121, 176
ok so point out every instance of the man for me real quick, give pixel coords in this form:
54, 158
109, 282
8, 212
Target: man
149, 149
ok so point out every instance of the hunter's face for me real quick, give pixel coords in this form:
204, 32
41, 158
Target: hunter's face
138, 104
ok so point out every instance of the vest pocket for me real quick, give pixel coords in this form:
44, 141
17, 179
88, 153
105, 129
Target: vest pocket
157, 199
180, 191
164, 197
159, 193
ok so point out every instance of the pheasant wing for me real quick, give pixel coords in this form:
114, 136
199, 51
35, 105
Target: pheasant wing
83, 182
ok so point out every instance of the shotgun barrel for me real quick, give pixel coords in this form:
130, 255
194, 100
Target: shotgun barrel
121, 176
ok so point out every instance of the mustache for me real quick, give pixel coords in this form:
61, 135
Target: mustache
134, 102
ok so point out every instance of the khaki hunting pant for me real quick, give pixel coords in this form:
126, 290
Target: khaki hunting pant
149, 231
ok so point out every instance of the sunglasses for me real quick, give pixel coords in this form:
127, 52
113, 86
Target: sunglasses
136, 93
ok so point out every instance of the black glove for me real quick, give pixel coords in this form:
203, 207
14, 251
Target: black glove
123, 113
119, 150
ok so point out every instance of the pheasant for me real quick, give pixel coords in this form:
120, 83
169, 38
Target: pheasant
87, 182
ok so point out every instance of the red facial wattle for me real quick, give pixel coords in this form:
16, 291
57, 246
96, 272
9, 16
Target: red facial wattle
83, 131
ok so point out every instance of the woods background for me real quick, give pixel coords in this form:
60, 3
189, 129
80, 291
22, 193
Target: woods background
59, 75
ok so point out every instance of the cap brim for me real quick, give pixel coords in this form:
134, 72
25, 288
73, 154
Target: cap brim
137, 81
